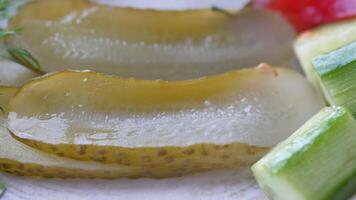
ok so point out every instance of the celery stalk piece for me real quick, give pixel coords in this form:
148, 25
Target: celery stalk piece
318, 162
337, 72
322, 40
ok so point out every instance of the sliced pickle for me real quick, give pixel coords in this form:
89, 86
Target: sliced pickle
149, 44
13, 74
20, 159
220, 121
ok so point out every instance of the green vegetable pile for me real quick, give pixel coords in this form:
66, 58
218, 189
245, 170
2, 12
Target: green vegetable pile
318, 162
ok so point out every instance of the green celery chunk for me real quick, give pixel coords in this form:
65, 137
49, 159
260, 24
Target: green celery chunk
318, 162
321, 40
337, 72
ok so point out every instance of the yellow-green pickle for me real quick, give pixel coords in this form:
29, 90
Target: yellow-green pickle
223, 121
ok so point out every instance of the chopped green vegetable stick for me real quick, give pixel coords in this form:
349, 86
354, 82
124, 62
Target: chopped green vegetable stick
337, 72
321, 40
318, 162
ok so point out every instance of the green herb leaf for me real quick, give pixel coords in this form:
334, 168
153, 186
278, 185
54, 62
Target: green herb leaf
25, 58
7, 9
19, 55
4, 33
2, 188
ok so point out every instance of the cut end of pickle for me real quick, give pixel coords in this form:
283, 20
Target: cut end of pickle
148, 44
317, 162
219, 120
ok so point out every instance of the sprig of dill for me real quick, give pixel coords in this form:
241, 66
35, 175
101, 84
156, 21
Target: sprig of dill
18, 55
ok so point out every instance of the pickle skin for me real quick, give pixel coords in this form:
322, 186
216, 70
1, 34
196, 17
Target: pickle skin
39, 170
191, 158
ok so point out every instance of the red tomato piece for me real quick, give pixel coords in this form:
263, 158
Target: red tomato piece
305, 14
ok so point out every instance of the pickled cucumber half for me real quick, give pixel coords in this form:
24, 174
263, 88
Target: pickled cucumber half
149, 44
220, 121
322, 40
318, 162
20, 159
